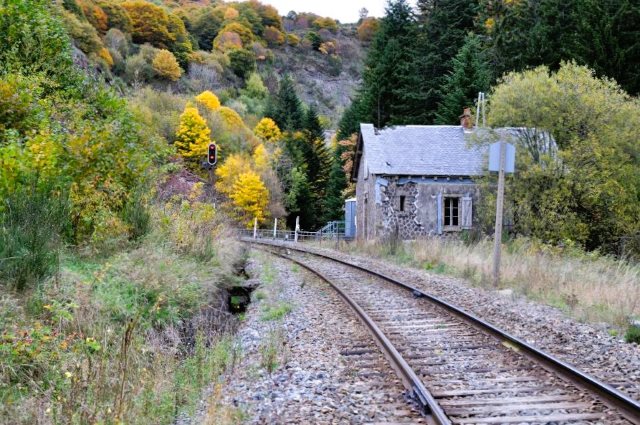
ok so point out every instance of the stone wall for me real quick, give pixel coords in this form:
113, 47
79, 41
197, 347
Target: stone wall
420, 215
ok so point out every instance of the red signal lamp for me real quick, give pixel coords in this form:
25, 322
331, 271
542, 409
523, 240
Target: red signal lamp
212, 158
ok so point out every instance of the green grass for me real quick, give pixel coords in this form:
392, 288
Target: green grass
276, 311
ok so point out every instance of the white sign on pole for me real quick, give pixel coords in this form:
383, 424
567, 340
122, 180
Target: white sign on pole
509, 159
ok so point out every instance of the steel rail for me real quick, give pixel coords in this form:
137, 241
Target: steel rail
625, 405
410, 379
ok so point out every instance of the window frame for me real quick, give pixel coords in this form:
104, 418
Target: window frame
450, 227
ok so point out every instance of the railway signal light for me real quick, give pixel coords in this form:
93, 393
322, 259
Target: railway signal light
212, 158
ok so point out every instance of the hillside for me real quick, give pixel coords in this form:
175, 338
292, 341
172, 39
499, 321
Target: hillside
217, 46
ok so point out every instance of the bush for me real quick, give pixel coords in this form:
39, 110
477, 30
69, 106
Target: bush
31, 223
633, 334
166, 65
242, 62
314, 39
84, 35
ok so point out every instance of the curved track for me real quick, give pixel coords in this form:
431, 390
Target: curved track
460, 368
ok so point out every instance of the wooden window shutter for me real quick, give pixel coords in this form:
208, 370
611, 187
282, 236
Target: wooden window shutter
467, 212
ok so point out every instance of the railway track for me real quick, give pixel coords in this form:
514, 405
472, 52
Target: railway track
460, 369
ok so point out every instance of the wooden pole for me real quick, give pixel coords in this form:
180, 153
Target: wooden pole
255, 228
275, 227
295, 236
499, 209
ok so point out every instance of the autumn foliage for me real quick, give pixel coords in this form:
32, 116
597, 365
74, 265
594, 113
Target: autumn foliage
250, 198
166, 65
268, 130
209, 100
193, 136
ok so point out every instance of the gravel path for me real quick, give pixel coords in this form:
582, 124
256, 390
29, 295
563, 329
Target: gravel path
327, 367
586, 346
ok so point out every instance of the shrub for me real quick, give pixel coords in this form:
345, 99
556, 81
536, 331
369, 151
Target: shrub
255, 87
31, 223
117, 16
136, 215
138, 70
33, 39
245, 33
85, 36
242, 62
116, 40
367, 29
192, 137
250, 198
632, 334
268, 130
326, 23
166, 65
209, 100
273, 36
227, 41
293, 40
314, 39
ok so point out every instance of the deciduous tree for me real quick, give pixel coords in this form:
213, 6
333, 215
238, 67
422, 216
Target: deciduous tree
193, 136
166, 65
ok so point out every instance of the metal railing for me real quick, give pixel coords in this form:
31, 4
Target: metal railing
292, 236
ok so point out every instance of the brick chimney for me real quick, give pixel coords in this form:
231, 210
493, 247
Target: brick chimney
465, 119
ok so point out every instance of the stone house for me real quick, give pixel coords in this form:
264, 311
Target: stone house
416, 180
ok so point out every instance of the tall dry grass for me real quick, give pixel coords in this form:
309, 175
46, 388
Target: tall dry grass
588, 286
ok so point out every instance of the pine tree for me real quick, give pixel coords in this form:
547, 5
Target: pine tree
387, 61
312, 123
285, 108
443, 26
470, 75
336, 184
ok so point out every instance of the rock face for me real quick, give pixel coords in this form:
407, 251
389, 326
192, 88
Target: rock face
328, 81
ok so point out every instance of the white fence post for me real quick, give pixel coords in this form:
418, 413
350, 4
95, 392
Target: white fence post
295, 237
275, 227
255, 228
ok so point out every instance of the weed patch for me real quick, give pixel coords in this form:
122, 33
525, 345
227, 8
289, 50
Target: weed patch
276, 311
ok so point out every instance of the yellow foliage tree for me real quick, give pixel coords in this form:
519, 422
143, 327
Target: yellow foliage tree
227, 173
209, 100
261, 158
231, 119
250, 198
166, 65
230, 14
268, 130
193, 135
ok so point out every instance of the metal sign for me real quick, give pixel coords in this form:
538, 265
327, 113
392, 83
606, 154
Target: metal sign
509, 160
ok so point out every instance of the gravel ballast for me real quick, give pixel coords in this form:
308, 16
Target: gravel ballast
586, 346
327, 368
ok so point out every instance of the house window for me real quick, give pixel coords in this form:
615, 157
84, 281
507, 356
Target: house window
451, 211
402, 198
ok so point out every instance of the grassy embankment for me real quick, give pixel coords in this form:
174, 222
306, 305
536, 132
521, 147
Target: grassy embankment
587, 286
130, 337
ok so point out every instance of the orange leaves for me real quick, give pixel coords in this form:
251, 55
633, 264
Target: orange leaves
367, 29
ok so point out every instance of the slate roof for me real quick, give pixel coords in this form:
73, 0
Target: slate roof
436, 150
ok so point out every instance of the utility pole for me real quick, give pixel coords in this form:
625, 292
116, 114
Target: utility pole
275, 228
255, 228
295, 237
497, 247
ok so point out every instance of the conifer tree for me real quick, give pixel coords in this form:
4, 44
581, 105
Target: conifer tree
285, 107
312, 123
470, 75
